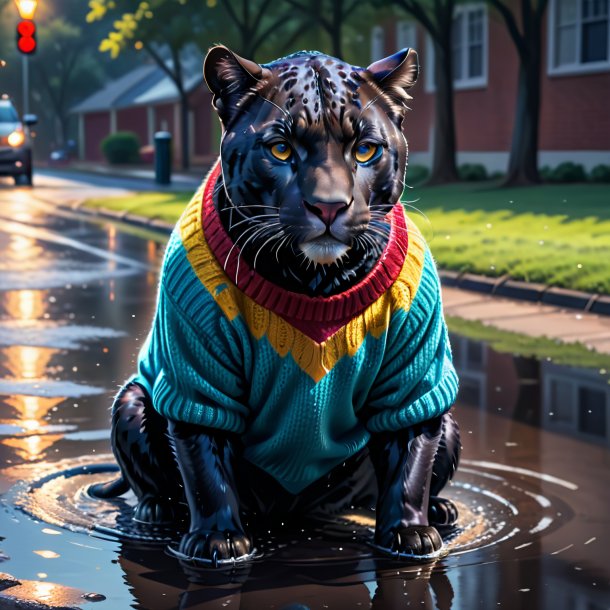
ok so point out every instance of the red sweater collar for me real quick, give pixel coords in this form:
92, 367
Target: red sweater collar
299, 308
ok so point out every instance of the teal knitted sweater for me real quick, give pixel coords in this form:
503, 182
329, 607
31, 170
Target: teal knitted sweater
303, 381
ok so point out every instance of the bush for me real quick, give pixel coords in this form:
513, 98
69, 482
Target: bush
121, 147
416, 174
472, 172
545, 173
600, 173
568, 172
497, 175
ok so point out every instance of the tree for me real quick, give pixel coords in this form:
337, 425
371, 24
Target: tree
331, 16
256, 22
165, 30
436, 16
523, 160
64, 71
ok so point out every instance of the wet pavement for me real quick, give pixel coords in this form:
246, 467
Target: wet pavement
76, 299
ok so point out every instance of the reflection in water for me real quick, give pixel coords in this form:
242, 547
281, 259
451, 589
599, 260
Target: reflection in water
26, 362
25, 304
159, 583
152, 254
559, 398
32, 447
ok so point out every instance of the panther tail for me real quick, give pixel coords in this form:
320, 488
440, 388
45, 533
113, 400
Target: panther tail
110, 489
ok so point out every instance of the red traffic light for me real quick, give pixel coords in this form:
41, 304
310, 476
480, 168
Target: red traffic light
26, 37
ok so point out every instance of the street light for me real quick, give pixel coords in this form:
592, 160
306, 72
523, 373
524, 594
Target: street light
26, 9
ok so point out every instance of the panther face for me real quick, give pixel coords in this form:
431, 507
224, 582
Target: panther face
313, 157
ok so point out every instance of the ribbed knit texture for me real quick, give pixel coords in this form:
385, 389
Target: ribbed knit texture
218, 358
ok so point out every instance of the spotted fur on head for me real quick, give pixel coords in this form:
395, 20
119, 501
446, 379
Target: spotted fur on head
315, 221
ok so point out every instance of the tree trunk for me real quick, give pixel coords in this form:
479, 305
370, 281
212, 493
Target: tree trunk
337, 23
523, 161
184, 130
443, 163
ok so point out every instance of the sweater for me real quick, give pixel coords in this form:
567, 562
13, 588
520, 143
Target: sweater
304, 381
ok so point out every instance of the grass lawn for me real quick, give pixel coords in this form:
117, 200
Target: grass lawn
554, 234
165, 206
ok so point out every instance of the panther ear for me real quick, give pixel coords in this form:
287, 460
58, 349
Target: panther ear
396, 73
228, 76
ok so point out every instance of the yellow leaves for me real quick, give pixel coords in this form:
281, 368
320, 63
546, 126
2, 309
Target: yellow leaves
97, 10
111, 47
125, 27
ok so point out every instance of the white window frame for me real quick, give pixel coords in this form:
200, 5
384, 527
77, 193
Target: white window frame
577, 67
377, 49
477, 82
411, 26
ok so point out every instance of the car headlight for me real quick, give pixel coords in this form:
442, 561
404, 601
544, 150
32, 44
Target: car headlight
16, 139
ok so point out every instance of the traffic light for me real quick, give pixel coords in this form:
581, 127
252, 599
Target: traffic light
26, 37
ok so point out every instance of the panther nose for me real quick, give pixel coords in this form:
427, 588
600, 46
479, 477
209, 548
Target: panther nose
327, 212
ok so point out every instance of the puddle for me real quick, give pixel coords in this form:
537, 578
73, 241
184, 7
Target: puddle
532, 488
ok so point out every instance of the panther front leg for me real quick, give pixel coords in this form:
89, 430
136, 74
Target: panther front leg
205, 461
403, 463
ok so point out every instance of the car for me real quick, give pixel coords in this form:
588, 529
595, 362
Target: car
15, 143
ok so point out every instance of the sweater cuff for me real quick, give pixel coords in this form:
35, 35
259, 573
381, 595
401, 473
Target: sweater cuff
433, 404
170, 403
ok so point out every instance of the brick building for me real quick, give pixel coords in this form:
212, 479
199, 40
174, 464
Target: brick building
575, 113
145, 101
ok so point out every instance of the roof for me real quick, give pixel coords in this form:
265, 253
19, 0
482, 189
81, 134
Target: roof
108, 96
146, 85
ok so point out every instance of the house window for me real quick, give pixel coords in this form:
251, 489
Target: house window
469, 48
579, 36
377, 43
406, 35
592, 411
468, 44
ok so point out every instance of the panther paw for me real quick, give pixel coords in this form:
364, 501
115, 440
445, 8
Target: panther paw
442, 512
153, 510
215, 547
415, 541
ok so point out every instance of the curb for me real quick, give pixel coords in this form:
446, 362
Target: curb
503, 286
155, 224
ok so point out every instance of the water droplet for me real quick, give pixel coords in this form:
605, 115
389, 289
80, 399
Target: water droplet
94, 597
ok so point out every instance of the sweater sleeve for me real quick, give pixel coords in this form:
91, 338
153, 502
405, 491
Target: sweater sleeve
417, 380
193, 374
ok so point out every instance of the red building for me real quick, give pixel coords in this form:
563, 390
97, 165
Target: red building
575, 113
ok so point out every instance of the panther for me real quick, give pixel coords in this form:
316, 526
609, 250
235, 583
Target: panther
298, 362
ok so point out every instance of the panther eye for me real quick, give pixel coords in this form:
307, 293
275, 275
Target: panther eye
367, 153
281, 151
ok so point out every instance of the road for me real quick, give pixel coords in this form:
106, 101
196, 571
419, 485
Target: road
76, 300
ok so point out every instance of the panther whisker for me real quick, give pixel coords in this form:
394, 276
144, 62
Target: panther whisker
264, 244
241, 250
235, 243
252, 219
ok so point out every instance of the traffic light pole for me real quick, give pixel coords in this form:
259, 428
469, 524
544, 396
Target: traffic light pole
26, 84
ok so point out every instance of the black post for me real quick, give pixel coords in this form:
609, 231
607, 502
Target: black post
163, 157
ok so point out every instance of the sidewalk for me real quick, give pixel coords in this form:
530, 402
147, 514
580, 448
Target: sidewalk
531, 319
